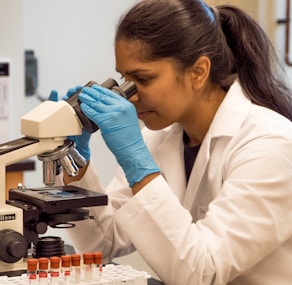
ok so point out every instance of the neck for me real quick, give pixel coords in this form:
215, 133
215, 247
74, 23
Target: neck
200, 118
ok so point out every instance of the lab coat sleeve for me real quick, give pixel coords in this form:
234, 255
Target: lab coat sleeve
245, 223
166, 235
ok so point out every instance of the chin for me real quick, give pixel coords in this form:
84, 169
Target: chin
155, 127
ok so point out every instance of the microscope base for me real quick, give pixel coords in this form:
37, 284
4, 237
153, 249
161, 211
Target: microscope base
13, 269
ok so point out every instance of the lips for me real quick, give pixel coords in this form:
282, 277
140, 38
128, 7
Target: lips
143, 115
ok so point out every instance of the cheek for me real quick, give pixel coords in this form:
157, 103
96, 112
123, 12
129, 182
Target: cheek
157, 98
171, 97
167, 105
167, 101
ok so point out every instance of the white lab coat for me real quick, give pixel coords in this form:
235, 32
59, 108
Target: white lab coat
232, 224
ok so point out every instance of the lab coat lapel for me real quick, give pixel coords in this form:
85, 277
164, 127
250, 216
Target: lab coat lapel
170, 158
235, 106
197, 174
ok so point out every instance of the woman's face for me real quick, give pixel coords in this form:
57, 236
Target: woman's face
164, 96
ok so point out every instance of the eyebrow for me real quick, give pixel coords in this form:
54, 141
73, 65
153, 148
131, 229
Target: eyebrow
133, 71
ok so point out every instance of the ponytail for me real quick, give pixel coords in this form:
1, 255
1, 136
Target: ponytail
255, 61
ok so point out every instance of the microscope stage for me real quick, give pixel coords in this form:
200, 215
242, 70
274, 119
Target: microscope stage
58, 199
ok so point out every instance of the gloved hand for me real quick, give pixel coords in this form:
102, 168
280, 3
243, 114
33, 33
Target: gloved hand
117, 119
82, 141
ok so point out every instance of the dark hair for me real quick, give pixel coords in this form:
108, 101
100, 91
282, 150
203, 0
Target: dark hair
184, 30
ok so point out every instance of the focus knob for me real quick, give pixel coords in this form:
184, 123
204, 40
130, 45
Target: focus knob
13, 246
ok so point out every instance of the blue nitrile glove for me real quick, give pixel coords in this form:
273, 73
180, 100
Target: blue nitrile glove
117, 119
53, 96
81, 141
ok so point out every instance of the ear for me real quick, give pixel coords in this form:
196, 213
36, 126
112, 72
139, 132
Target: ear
200, 72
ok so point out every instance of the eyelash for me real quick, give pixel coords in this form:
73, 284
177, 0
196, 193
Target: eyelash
138, 79
141, 79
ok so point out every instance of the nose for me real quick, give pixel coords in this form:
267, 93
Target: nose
134, 98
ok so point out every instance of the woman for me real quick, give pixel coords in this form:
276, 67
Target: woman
206, 195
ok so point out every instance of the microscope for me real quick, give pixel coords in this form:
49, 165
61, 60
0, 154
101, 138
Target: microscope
28, 211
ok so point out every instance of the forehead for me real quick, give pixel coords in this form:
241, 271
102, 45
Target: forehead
132, 56
129, 51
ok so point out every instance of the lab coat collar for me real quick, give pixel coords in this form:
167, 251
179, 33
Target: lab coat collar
231, 113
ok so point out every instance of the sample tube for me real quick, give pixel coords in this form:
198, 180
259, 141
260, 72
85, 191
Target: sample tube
75, 260
97, 260
43, 270
87, 266
55, 269
32, 264
66, 268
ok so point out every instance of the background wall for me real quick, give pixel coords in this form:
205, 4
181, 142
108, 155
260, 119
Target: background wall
11, 47
73, 42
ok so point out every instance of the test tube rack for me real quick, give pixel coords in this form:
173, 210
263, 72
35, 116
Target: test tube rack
112, 274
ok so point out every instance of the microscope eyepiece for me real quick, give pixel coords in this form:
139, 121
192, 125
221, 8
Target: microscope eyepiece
126, 90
